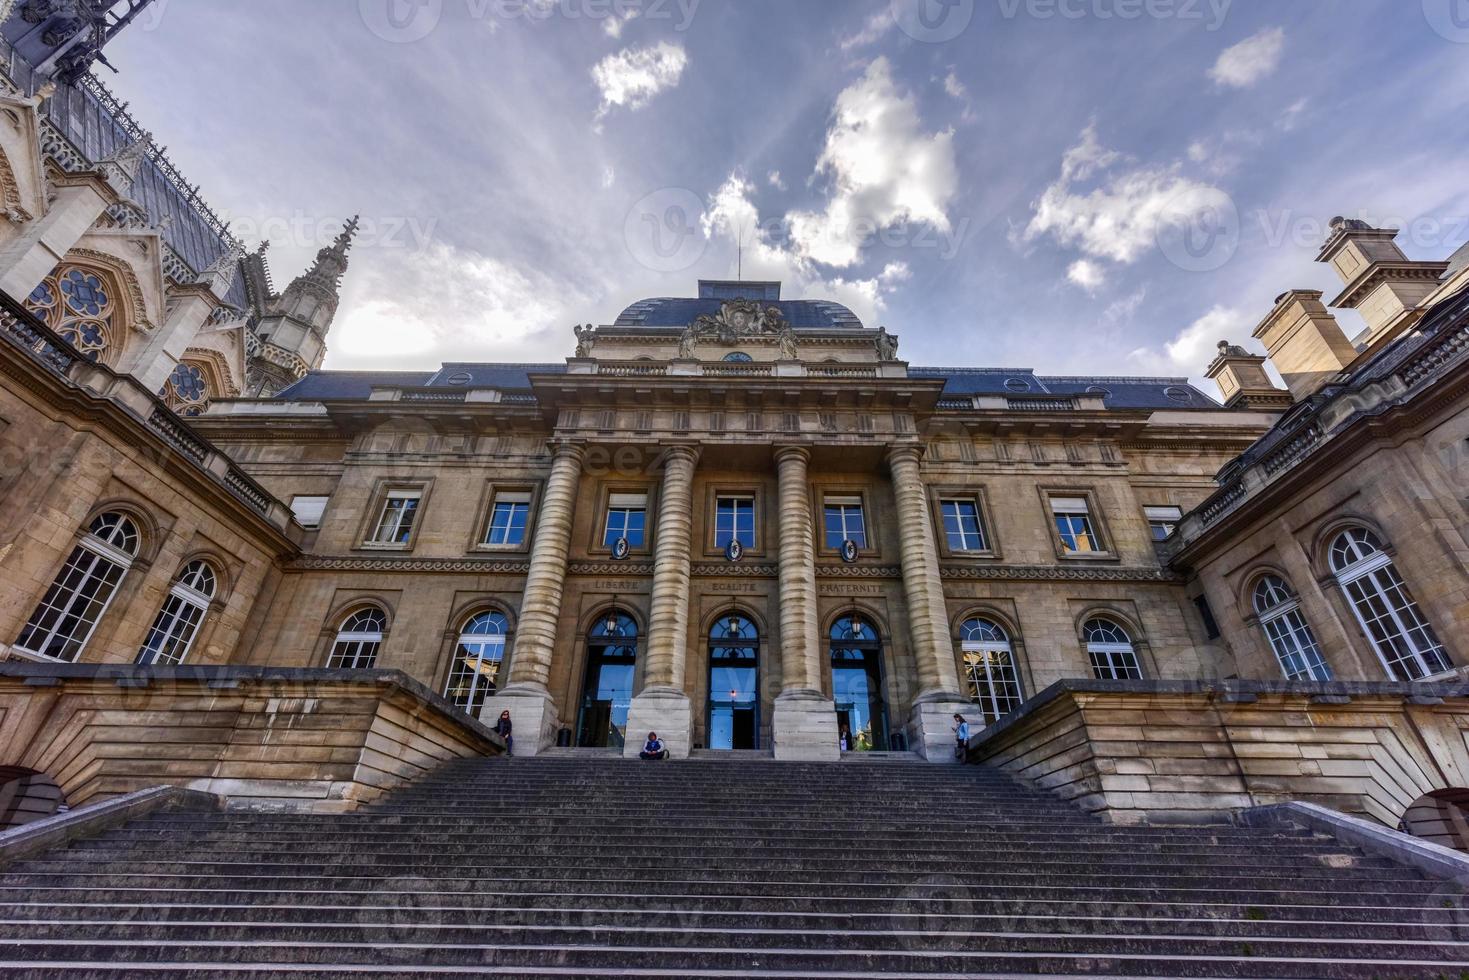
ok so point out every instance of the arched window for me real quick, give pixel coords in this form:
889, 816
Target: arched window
1289, 634
1385, 608
612, 652
78, 305
187, 390
475, 674
173, 630
76, 600
857, 684
359, 640
989, 668
738, 357
1111, 651
734, 698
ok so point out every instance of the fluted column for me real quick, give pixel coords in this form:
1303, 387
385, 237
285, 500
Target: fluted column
927, 616
662, 705
938, 698
799, 633
525, 694
804, 724
668, 621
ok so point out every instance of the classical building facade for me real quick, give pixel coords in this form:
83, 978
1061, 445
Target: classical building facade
739, 519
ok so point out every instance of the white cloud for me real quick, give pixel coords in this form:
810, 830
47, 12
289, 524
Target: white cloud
613, 25
609, 176
1086, 274
871, 30
1250, 60
1196, 345
775, 180
1125, 308
444, 303
732, 214
883, 169
1118, 219
1291, 117
633, 76
954, 87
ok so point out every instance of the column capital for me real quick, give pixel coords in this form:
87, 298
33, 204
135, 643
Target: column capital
799, 450
905, 450
562, 448
683, 450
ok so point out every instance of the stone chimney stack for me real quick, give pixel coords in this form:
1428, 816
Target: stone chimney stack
1305, 343
1243, 382
1381, 283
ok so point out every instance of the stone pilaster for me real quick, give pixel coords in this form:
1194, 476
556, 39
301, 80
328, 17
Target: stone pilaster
525, 694
662, 705
804, 725
930, 723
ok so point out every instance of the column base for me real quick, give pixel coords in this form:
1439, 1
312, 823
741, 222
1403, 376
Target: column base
666, 712
931, 727
532, 716
804, 728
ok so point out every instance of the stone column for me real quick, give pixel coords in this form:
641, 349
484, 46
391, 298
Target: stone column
931, 721
525, 694
662, 705
804, 725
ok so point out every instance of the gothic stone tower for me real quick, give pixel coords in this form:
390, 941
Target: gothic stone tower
292, 332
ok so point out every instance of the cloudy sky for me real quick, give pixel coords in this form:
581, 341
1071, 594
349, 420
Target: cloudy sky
1078, 186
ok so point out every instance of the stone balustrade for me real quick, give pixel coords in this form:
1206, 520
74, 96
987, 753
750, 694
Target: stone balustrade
1193, 752
301, 739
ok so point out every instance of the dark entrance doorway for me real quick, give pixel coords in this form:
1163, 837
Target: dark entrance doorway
734, 693
612, 650
856, 683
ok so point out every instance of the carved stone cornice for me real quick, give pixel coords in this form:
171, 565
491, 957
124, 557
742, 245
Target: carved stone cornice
1058, 573
376, 563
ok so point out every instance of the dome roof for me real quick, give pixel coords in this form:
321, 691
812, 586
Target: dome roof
680, 312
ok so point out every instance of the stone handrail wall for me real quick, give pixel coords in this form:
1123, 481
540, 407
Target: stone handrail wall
1186, 751
308, 739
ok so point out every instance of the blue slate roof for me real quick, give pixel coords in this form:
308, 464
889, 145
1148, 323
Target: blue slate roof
1119, 393
670, 311
350, 385
470, 374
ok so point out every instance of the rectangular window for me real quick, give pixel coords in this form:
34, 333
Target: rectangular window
734, 520
308, 510
1211, 627
395, 524
1163, 521
844, 522
962, 526
627, 517
508, 517
1074, 524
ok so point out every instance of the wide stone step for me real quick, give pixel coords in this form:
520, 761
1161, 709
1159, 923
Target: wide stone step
937, 917
1055, 954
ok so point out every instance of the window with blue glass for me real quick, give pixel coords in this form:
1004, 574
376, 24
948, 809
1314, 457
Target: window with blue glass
508, 517
1074, 525
734, 520
962, 525
627, 517
844, 522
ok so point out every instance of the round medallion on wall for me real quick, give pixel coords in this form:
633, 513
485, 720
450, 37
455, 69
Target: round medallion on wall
734, 551
621, 549
849, 551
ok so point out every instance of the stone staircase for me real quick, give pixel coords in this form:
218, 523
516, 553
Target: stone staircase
574, 866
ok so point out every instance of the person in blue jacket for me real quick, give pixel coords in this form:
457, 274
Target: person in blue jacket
961, 736
653, 748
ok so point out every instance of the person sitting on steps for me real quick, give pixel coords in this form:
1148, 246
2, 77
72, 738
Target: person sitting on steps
653, 748
502, 729
961, 737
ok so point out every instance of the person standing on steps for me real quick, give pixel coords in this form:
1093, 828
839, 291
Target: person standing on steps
961, 737
844, 740
653, 748
502, 729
